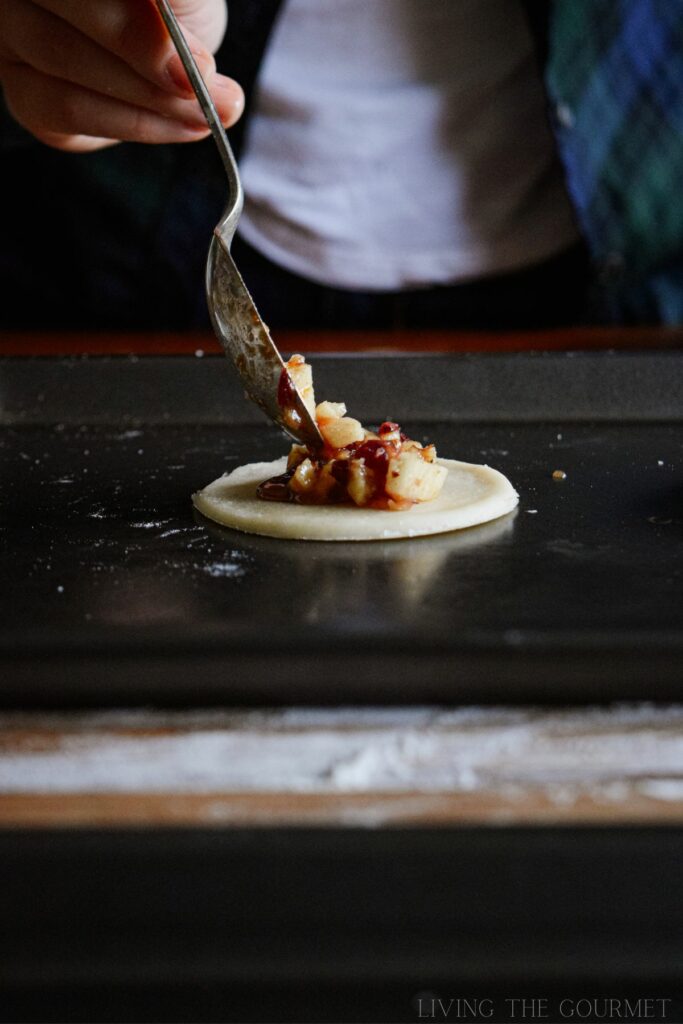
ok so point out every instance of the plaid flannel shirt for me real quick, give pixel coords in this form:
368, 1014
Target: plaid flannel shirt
614, 74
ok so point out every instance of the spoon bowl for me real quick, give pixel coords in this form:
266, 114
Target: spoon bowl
244, 337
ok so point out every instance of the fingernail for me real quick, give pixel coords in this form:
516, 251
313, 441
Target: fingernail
177, 75
230, 95
196, 129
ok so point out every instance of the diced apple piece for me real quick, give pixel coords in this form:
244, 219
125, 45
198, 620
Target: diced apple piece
301, 376
297, 454
339, 433
390, 432
325, 483
359, 483
304, 477
327, 411
410, 478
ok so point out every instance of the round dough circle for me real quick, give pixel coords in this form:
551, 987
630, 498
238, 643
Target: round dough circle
470, 495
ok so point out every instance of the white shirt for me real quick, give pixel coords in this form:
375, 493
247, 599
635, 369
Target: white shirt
401, 143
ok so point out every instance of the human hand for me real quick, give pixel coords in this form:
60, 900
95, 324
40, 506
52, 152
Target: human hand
84, 75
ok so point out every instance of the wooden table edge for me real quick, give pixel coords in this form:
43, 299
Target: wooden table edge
323, 809
77, 343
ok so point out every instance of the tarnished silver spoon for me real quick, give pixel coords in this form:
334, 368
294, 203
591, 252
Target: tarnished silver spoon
236, 321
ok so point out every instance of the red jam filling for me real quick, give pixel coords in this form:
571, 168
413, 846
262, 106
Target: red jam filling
286, 399
277, 488
286, 392
375, 453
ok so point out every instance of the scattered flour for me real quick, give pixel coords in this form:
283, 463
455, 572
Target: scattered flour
224, 570
128, 435
152, 524
606, 754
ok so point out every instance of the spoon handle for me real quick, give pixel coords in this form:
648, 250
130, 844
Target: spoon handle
204, 97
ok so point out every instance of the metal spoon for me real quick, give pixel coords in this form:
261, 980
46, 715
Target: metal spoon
236, 321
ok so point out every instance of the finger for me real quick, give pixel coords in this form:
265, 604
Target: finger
75, 143
134, 31
205, 19
55, 48
46, 105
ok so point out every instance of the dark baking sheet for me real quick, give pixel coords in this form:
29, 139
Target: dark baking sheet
115, 591
336, 924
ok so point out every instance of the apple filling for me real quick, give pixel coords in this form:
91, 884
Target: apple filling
383, 469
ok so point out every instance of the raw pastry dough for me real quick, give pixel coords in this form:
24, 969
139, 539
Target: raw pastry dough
471, 495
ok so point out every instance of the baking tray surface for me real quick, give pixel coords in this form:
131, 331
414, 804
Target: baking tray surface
116, 591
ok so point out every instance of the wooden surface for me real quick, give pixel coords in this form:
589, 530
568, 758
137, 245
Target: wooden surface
371, 768
19, 343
